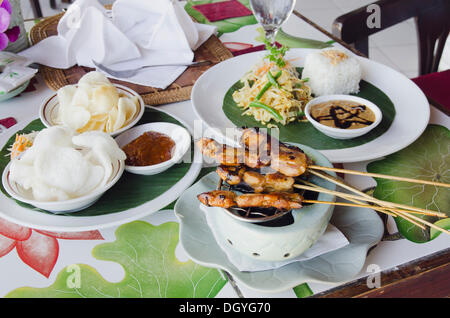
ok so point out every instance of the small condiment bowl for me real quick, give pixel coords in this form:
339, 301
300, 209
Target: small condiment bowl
340, 133
178, 134
49, 110
64, 206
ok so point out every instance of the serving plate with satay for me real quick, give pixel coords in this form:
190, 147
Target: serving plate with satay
265, 180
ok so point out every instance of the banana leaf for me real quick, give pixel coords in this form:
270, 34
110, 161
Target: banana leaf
131, 190
303, 132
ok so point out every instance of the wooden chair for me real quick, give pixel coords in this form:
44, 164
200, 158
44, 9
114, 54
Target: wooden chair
432, 19
37, 9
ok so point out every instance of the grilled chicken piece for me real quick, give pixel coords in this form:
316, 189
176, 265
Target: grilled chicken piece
231, 174
277, 182
230, 156
272, 182
219, 198
254, 180
289, 160
280, 201
228, 199
258, 145
222, 154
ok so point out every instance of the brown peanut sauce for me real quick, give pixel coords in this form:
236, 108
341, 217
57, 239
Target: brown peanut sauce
342, 114
150, 148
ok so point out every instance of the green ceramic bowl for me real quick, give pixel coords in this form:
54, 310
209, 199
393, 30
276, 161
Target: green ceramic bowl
14, 92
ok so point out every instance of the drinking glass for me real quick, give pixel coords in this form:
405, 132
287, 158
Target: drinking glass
271, 14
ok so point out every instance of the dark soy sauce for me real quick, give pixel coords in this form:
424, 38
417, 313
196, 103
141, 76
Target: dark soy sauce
344, 116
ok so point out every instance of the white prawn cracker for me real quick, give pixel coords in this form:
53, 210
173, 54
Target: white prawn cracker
60, 166
94, 104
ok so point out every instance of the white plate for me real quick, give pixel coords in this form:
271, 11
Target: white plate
362, 227
411, 106
49, 109
15, 213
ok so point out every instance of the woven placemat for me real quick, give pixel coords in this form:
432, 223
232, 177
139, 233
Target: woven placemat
212, 50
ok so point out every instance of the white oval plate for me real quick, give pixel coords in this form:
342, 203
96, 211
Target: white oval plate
15, 213
362, 227
411, 106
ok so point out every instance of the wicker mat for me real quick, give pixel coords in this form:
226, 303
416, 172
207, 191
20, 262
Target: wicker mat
212, 50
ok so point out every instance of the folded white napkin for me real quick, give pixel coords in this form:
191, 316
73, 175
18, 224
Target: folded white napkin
134, 34
15, 73
331, 240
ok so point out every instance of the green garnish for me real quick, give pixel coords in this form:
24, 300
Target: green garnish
273, 80
306, 79
268, 84
276, 54
267, 108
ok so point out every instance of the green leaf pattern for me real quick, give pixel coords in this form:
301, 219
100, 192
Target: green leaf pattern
428, 158
147, 255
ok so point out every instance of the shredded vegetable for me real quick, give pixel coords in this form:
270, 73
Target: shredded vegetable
22, 143
277, 86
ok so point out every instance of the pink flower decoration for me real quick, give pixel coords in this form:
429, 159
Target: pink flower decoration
7, 35
7, 6
5, 19
38, 249
13, 33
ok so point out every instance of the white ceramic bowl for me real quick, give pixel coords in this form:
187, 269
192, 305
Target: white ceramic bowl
283, 242
65, 206
179, 135
339, 133
49, 109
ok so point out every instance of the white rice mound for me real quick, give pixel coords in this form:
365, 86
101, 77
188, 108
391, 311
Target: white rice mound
332, 71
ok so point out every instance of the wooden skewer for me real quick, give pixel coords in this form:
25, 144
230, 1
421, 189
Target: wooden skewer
367, 206
376, 208
377, 175
402, 214
391, 211
389, 204
369, 198
344, 196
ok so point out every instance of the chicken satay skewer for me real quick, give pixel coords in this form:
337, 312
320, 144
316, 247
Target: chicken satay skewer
253, 139
228, 199
257, 182
402, 213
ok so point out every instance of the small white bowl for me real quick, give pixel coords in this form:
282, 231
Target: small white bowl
339, 133
49, 109
179, 135
65, 206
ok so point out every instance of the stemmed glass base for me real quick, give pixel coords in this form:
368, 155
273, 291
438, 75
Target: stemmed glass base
271, 14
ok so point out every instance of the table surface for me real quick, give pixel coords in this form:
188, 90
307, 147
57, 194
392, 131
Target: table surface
407, 268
